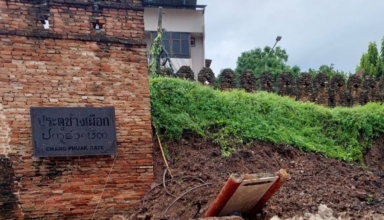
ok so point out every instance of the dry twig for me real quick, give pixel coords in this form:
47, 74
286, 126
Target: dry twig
165, 159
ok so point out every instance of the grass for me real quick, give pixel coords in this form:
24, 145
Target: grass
236, 118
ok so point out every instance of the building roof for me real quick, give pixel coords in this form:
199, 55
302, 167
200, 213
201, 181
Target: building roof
189, 4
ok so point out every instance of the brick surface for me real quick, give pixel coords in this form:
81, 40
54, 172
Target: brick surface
321, 89
71, 65
286, 85
304, 87
337, 91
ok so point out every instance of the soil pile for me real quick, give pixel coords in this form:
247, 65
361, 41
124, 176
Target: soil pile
353, 190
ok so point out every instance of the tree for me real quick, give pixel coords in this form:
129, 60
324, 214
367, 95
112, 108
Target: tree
258, 58
312, 72
380, 68
373, 54
295, 70
369, 62
380, 60
328, 70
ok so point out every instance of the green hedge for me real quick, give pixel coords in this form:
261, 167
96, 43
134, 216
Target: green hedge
236, 118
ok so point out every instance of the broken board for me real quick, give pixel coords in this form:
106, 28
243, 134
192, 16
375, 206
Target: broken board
246, 194
249, 192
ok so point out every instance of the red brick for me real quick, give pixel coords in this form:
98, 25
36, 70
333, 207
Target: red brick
61, 72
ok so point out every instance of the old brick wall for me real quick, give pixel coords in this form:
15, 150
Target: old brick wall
8, 201
337, 91
4, 131
70, 64
286, 85
320, 88
304, 87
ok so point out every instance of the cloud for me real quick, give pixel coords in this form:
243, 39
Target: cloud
314, 32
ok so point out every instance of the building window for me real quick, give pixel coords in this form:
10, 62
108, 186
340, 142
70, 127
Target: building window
177, 44
192, 42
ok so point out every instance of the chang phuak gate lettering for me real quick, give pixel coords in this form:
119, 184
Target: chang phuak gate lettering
61, 131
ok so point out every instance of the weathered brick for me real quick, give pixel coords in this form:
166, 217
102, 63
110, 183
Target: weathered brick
67, 66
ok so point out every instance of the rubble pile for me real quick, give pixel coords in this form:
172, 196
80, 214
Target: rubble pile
351, 191
325, 213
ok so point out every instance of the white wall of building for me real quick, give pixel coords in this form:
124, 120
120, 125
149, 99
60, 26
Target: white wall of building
197, 54
180, 20
196, 62
177, 20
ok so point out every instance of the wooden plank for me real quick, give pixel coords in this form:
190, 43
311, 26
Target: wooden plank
282, 177
247, 195
225, 194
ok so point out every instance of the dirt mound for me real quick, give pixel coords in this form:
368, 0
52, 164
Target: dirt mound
314, 180
374, 158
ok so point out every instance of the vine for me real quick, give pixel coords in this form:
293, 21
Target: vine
156, 48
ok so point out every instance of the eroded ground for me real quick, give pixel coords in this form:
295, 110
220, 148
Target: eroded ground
314, 180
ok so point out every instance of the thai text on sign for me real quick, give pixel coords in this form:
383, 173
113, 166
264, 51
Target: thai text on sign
73, 131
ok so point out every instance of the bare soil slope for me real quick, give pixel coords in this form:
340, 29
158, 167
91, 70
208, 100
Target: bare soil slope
314, 180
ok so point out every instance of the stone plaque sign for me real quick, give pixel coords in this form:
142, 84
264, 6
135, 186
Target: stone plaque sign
73, 131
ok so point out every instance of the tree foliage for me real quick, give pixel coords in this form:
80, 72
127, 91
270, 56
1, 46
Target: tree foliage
155, 51
328, 70
259, 60
371, 62
380, 60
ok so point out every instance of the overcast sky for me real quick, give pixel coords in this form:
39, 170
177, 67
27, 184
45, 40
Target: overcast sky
314, 32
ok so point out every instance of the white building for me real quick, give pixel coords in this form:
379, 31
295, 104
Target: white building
183, 21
